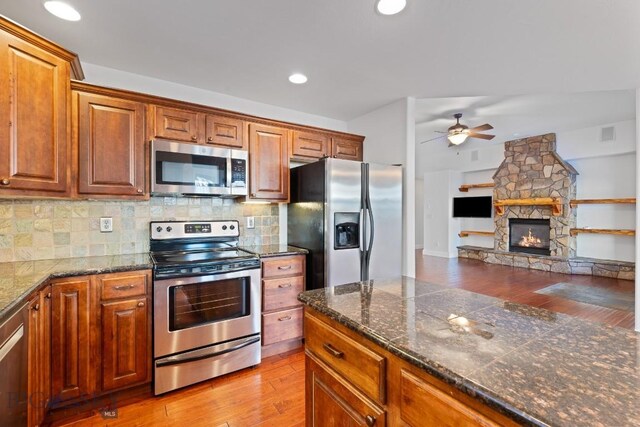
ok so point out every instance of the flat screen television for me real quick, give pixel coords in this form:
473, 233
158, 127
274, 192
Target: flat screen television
472, 207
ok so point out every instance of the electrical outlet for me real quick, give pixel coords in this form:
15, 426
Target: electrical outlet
251, 223
106, 225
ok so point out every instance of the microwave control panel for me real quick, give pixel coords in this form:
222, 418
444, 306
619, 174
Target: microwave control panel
238, 173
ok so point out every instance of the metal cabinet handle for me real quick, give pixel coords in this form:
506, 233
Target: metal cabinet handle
370, 420
139, 190
123, 287
193, 137
141, 304
36, 307
48, 295
5, 181
210, 139
284, 267
284, 285
282, 319
332, 351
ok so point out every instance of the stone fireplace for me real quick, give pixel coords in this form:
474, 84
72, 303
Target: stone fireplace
531, 236
532, 169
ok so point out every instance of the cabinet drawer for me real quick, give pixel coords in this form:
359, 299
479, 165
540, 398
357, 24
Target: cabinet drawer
363, 367
281, 293
283, 266
424, 404
122, 285
281, 326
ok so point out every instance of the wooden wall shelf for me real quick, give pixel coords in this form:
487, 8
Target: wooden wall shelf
555, 203
575, 231
467, 233
627, 201
464, 188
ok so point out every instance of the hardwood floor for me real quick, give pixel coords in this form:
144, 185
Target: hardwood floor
519, 285
271, 394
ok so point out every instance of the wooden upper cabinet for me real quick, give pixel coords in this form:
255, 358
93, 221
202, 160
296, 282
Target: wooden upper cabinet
308, 144
34, 122
111, 143
225, 131
268, 163
347, 149
177, 124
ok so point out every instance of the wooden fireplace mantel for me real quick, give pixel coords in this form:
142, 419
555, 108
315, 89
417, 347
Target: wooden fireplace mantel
467, 233
618, 232
554, 202
464, 188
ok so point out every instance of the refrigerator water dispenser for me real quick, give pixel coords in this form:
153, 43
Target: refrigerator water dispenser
347, 230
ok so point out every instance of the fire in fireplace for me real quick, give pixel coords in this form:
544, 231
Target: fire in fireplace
529, 236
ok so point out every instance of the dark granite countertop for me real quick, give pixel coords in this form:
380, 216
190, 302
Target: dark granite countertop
264, 251
20, 279
538, 367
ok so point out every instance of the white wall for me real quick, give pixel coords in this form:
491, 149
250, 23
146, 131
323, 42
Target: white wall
390, 135
110, 77
440, 229
419, 213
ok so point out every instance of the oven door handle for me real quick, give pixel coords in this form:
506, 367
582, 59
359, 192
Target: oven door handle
206, 353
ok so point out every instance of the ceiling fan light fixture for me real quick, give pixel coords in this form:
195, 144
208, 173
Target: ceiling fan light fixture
390, 7
457, 138
62, 10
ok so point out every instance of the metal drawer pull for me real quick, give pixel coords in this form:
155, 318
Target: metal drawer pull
331, 350
48, 296
282, 319
36, 307
284, 267
123, 287
370, 420
285, 285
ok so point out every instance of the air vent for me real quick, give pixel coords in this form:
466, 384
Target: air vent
474, 156
608, 134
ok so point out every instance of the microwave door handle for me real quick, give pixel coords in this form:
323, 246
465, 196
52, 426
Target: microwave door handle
229, 172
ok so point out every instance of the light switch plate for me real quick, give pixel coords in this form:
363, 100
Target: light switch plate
106, 225
251, 222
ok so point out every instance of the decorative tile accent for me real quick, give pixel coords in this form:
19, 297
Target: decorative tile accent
47, 229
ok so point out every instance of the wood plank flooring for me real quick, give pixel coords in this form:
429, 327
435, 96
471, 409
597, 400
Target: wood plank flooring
272, 394
519, 285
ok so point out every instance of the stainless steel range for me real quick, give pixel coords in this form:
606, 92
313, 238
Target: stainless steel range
206, 302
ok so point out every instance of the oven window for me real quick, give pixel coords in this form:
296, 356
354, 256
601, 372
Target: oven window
202, 303
190, 169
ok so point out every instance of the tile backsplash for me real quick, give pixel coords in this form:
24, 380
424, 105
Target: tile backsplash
45, 229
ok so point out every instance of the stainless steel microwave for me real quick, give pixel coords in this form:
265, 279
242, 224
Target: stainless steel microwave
190, 169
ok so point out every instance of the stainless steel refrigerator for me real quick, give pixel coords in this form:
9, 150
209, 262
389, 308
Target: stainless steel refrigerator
349, 216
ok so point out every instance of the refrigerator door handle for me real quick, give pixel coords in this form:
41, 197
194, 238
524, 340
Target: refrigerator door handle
371, 236
361, 230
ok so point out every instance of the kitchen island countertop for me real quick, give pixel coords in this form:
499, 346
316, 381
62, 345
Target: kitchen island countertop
538, 367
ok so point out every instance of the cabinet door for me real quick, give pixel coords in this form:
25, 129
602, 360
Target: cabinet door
34, 355
268, 162
179, 125
71, 361
346, 149
125, 355
34, 125
330, 400
225, 131
110, 145
307, 144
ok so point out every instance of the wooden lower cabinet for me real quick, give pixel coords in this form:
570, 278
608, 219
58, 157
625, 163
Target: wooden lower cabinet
39, 356
101, 335
339, 392
332, 401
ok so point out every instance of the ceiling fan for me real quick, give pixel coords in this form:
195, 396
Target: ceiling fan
458, 133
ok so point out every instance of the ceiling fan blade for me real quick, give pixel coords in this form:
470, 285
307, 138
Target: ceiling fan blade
480, 136
433, 139
480, 128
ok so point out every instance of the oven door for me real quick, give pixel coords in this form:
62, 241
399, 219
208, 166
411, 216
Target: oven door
193, 312
178, 168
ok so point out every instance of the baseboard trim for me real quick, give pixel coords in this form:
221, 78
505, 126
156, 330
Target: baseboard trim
441, 254
419, 247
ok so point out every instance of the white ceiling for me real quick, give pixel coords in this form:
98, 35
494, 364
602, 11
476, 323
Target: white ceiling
356, 60
524, 115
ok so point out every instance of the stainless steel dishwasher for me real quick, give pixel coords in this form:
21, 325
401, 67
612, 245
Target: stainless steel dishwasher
13, 368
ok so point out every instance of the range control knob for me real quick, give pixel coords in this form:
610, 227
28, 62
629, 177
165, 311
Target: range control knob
224, 227
169, 229
158, 229
232, 227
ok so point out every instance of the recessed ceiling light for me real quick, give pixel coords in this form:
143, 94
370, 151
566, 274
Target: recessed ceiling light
390, 7
62, 10
298, 78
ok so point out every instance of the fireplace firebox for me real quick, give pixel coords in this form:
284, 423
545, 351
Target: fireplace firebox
529, 236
